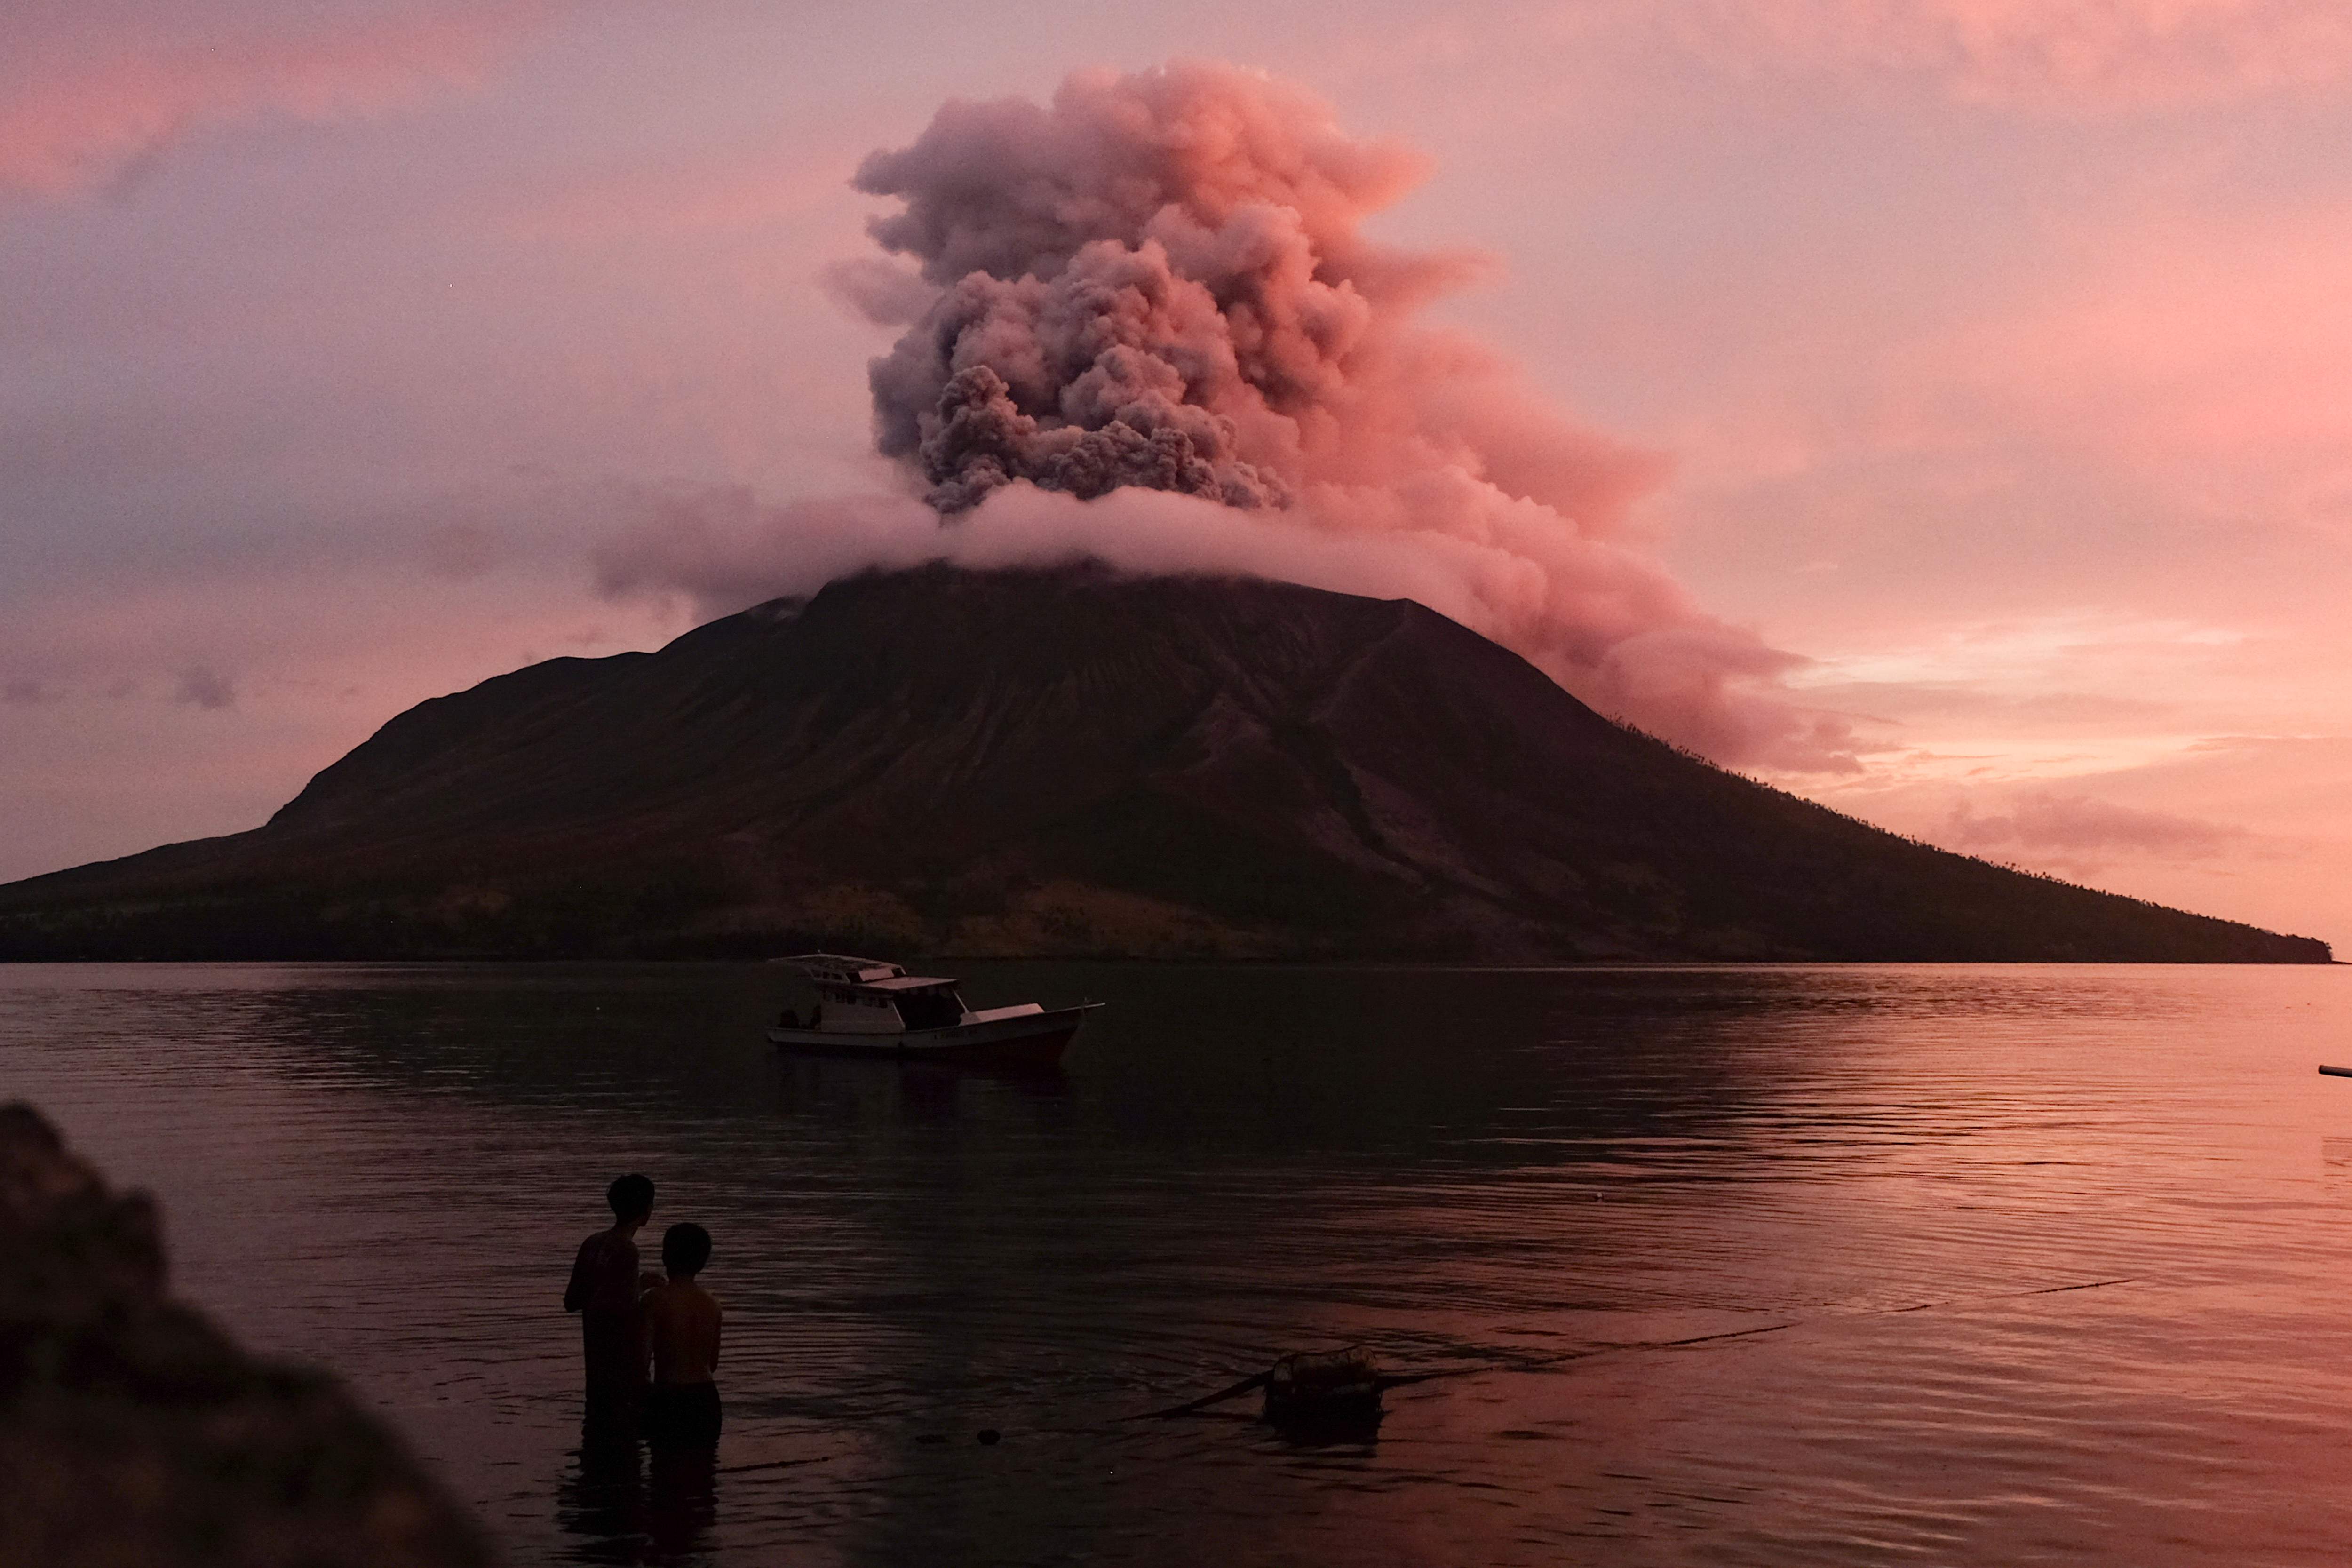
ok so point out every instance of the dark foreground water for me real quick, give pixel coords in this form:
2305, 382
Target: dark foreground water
1889, 1173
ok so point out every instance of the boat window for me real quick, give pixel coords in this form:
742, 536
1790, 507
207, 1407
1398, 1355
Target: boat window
929, 1009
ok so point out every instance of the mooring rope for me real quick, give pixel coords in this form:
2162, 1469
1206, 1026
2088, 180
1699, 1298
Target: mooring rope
1386, 1381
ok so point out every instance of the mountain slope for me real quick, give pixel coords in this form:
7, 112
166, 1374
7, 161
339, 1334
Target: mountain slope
1064, 762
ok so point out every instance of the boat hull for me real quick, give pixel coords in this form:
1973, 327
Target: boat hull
1031, 1040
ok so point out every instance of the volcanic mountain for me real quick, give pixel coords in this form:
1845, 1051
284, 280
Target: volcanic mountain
1068, 762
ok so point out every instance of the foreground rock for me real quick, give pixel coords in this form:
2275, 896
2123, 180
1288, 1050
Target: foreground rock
1066, 763
134, 1433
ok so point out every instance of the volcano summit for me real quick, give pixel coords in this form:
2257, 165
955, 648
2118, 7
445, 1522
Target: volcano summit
1068, 762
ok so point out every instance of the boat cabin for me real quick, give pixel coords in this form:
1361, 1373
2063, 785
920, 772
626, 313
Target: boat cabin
867, 997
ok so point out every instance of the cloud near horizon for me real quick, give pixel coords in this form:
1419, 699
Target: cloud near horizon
201, 685
724, 550
2045, 823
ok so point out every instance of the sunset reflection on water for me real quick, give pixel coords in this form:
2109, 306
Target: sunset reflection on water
1875, 1178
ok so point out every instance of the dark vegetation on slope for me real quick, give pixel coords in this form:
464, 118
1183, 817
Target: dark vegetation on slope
1066, 763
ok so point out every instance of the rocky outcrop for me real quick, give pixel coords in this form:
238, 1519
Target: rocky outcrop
132, 1432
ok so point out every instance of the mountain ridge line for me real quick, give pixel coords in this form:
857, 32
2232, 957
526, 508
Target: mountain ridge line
1067, 762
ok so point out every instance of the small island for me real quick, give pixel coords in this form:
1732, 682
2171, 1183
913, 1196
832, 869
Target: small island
1067, 762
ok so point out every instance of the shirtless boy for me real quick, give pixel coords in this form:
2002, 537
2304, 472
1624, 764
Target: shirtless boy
604, 1290
682, 1321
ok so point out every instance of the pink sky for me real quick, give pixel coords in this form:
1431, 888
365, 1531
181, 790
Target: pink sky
2000, 350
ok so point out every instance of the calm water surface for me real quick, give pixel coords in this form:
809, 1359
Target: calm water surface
1543, 1174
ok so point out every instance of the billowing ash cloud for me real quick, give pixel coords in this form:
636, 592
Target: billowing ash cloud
1157, 281
1158, 284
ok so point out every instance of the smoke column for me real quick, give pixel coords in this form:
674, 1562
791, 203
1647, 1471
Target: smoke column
1159, 281
1156, 283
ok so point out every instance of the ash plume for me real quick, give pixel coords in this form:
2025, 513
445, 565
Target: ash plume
1158, 283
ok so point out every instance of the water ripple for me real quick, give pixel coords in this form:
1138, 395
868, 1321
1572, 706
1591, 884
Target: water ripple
1750, 1265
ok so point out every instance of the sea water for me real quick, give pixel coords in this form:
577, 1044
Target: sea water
1758, 1264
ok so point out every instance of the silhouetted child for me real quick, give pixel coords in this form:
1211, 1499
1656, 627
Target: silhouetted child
604, 1288
682, 1322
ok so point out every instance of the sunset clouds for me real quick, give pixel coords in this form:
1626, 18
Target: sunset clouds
2077, 827
2212, 364
85, 105
1964, 378
2079, 57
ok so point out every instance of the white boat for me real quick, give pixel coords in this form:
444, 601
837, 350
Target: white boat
866, 1007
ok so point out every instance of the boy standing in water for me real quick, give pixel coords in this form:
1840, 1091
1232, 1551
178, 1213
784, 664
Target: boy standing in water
682, 1321
604, 1291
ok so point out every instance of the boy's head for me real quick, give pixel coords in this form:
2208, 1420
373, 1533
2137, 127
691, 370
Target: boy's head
632, 1198
684, 1249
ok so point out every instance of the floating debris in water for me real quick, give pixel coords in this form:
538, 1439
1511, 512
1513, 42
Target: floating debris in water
1335, 1392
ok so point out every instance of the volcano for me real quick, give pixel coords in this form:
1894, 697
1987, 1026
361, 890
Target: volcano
1066, 763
